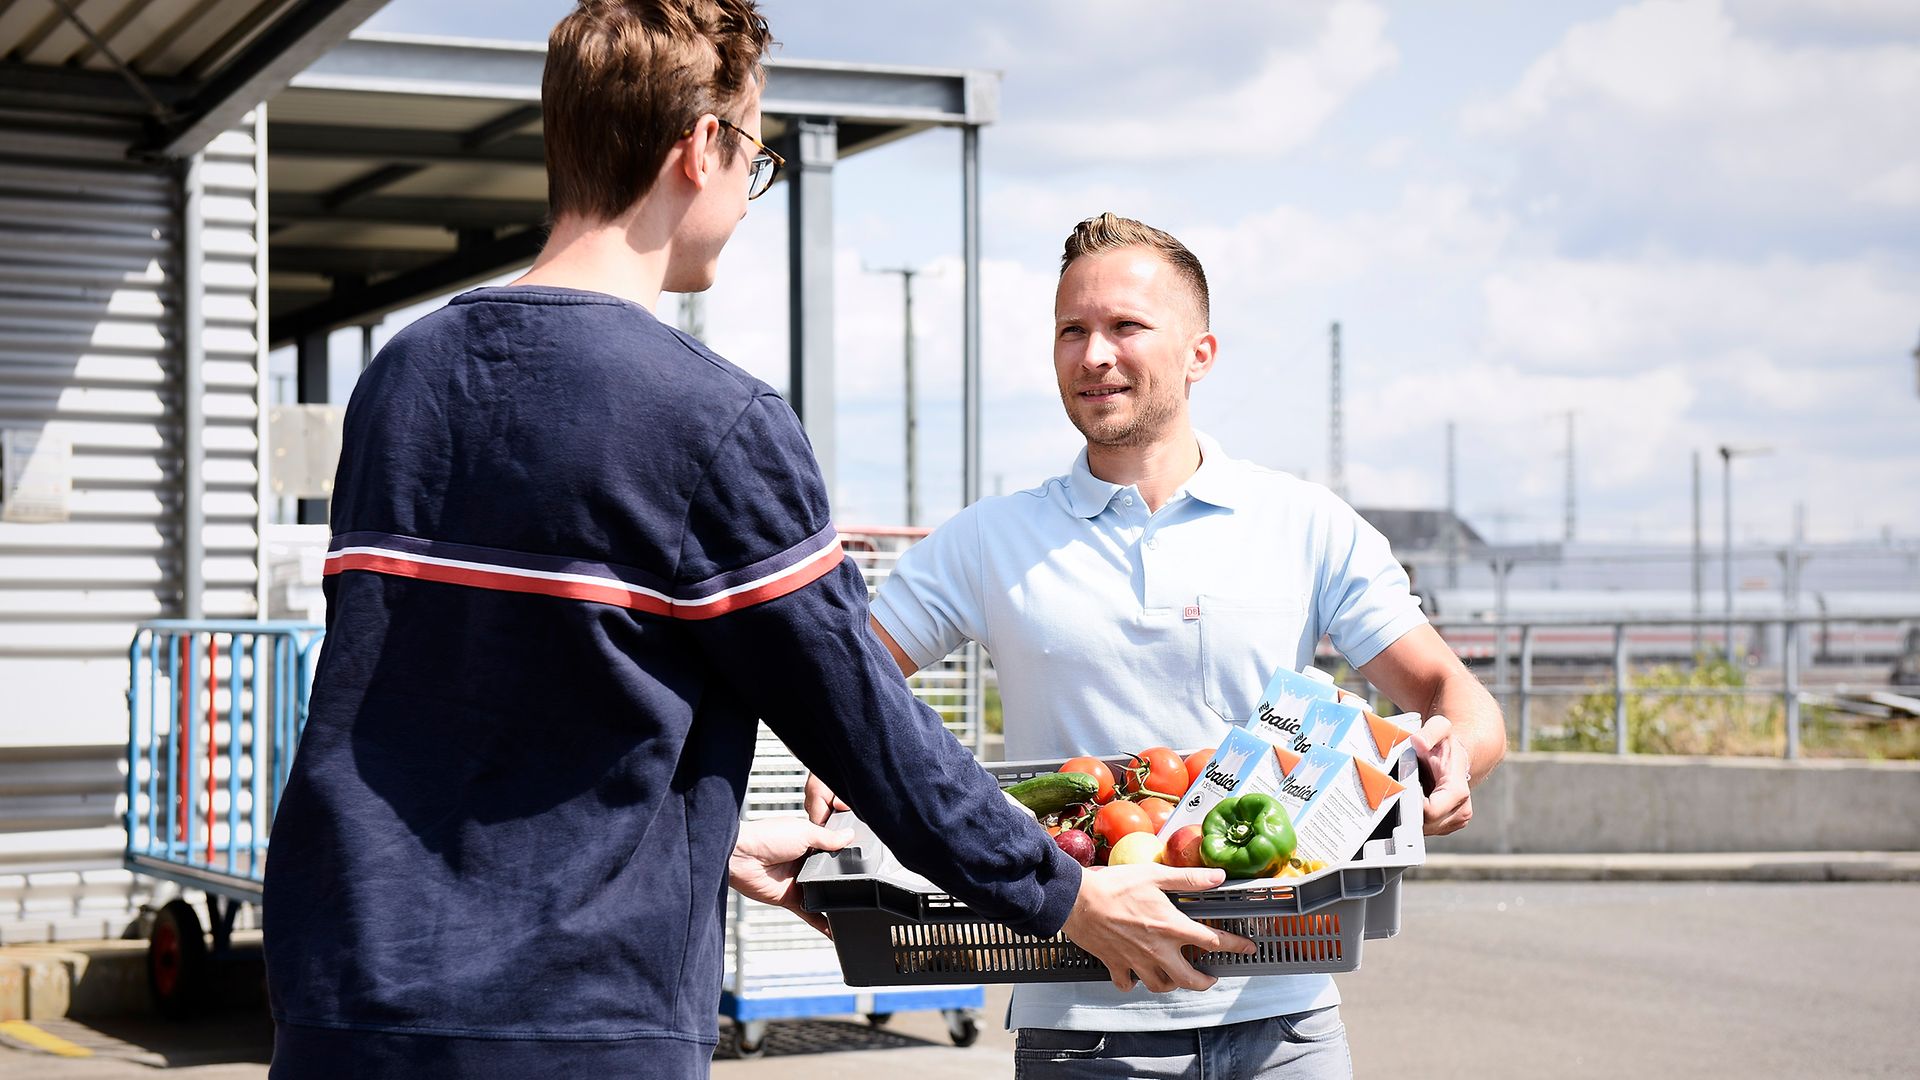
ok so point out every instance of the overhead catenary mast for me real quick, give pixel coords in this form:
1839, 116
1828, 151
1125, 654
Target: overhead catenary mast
693, 315
1453, 513
1570, 489
1336, 450
907, 274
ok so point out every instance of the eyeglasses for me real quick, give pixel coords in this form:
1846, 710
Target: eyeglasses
765, 166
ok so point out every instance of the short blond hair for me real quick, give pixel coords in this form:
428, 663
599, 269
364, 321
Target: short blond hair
1111, 232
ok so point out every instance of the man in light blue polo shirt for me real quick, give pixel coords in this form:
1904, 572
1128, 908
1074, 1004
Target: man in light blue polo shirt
1143, 599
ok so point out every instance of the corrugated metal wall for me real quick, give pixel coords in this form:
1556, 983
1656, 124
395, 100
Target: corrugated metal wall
91, 354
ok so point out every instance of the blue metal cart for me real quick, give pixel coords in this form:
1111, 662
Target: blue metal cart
214, 712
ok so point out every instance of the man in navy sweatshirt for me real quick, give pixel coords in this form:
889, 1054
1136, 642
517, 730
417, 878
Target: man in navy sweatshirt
576, 557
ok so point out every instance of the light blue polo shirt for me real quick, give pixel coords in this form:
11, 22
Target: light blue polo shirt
1114, 629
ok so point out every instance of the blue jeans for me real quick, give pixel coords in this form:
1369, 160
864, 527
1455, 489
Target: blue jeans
1305, 1046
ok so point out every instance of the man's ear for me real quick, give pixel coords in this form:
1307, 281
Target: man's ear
701, 156
1200, 360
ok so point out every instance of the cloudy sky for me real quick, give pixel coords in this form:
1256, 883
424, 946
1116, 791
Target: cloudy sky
1688, 222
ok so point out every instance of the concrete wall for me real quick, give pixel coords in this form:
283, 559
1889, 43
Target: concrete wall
1588, 803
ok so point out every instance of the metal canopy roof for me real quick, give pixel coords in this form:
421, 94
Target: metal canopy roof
402, 167
164, 76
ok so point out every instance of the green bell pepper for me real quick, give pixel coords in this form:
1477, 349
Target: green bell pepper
1247, 836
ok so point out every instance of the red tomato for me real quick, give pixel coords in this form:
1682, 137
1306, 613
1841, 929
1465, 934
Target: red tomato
1117, 819
1097, 769
1197, 765
1158, 811
1166, 773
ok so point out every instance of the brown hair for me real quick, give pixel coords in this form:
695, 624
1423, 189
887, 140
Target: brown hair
1111, 232
625, 78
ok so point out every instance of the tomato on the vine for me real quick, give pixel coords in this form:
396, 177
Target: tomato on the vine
1158, 810
1165, 772
1094, 767
1117, 819
1197, 764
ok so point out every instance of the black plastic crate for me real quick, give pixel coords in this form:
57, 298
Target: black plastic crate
892, 927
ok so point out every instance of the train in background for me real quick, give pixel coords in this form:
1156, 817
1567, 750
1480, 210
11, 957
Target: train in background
1839, 641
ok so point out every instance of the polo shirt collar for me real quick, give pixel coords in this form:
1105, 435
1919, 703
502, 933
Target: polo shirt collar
1219, 480
1087, 493
1216, 482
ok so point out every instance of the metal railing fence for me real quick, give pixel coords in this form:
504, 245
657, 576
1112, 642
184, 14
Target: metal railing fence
1519, 696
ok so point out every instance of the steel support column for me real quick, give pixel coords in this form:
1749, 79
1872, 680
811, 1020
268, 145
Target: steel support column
262, 404
970, 317
193, 412
811, 154
970, 448
313, 370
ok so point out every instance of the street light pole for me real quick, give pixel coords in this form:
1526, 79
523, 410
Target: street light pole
1727, 454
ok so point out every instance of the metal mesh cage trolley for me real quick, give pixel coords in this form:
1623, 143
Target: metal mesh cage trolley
778, 967
215, 710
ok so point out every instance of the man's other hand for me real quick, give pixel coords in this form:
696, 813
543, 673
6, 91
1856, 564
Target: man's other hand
766, 860
1446, 773
1123, 917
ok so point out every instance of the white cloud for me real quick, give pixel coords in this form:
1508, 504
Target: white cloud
1283, 101
1897, 187
1390, 153
1635, 313
1670, 112
1290, 246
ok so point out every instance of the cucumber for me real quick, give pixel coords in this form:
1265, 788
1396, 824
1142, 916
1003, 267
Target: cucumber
1053, 792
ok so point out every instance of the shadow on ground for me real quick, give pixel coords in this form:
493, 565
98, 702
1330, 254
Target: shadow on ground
244, 1036
789, 1038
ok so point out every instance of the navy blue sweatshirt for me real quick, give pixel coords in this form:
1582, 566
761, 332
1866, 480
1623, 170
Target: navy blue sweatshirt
576, 556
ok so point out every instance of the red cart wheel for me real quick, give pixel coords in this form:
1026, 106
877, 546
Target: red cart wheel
177, 961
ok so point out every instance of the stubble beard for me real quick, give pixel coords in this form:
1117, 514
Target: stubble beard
1143, 428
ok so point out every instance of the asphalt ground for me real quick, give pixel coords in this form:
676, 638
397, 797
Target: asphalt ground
1488, 980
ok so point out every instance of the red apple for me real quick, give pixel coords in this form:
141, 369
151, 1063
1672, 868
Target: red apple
1183, 847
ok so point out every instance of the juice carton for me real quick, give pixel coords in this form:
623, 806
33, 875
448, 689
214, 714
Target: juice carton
1244, 762
1376, 740
1283, 706
1334, 799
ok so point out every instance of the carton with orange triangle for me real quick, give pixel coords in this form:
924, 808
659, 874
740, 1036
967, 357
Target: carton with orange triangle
1379, 741
1335, 800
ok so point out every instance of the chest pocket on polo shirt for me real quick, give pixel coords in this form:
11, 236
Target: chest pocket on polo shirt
1242, 644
